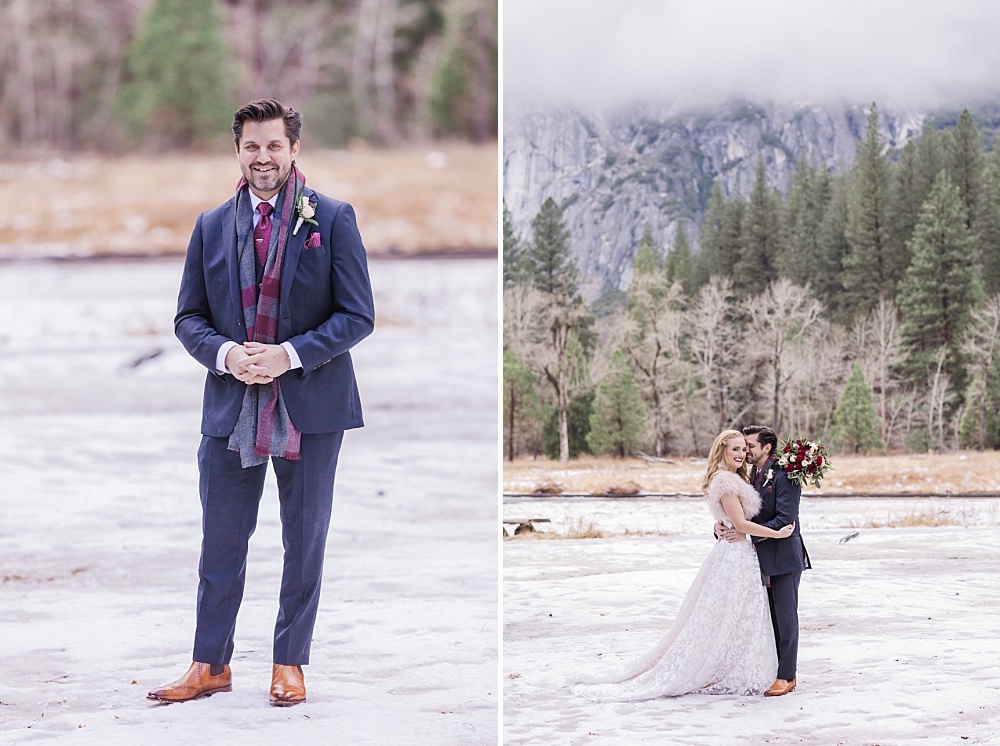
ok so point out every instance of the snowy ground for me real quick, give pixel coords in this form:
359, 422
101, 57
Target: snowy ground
899, 640
99, 521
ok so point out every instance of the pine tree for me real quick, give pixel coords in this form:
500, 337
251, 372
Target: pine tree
805, 206
856, 425
177, 75
720, 237
548, 259
941, 286
987, 225
650, 283
679, 265
932, 150
964, 163
513, 250
647, 256
551, 268
710, 235
871, 269
619, 414
833, 246
760, 237
521, 406
906, 196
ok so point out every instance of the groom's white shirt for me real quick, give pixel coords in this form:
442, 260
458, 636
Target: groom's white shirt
293, 356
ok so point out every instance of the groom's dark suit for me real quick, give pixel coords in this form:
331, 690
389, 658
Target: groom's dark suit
326, 308
781, 560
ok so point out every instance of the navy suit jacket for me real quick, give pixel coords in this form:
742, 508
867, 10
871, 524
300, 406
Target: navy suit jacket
779, 506
326, 309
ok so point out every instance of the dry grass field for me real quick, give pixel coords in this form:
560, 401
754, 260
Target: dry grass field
438, 199
943, 474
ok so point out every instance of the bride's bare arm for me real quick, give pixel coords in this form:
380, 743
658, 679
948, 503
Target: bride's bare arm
731, 504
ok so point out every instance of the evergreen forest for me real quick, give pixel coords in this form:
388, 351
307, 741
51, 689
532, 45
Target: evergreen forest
861, 308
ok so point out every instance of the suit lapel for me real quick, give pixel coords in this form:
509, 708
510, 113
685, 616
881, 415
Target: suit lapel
231, 253
293, 251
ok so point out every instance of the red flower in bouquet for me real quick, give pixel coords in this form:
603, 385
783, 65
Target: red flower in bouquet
804, 461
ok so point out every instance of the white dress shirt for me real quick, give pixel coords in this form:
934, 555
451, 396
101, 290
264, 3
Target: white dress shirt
293, 356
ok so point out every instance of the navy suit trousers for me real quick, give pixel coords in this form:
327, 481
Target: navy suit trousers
783, 598
230, 497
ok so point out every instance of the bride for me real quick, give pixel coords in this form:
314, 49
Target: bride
722, 641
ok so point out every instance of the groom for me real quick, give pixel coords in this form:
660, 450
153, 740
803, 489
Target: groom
781, 560
274, 294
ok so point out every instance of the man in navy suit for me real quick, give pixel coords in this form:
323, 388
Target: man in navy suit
274, 294
781, 560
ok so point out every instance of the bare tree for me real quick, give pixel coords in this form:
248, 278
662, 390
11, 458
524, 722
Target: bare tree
877, 344
939, 396
717, 351
816, 375
902, 409
651, 330
20, 18
981, 347
780, 318
544, 331
522, 327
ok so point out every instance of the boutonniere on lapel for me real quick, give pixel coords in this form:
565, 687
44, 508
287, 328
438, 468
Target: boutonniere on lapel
306, 210
769, 477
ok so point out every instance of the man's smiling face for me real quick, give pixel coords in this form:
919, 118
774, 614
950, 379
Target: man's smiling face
265, 155
757, 453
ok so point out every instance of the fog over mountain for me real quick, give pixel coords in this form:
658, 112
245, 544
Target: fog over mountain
624, 113
911, 53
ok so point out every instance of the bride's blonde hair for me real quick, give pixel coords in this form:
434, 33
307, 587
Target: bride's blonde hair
716, 458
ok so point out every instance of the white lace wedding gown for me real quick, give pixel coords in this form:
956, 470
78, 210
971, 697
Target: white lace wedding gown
722, 641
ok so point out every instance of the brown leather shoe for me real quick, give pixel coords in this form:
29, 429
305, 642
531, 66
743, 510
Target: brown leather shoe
197, 682
779, 687
288, 685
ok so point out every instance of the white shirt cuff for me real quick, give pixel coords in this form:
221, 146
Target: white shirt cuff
293, 356
220, 358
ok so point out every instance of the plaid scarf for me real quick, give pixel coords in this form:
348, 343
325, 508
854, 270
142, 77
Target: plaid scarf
264, 428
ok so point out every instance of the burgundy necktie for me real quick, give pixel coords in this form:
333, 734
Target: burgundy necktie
262, 233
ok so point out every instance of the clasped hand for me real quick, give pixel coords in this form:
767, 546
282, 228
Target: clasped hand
730, 534
253, 362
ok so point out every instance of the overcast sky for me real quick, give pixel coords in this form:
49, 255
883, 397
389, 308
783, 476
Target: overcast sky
904, 52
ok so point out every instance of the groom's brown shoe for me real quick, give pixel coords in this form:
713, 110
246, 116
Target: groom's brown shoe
779, 687
197, 682
288, 685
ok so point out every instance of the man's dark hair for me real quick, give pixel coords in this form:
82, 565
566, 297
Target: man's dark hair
765, 435
265, 110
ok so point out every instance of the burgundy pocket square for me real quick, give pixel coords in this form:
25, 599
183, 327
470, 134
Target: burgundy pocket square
312, 241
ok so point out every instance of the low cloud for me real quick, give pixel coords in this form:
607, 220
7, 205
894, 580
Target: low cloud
906, 52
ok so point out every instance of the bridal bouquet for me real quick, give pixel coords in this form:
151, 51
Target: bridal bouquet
805, 461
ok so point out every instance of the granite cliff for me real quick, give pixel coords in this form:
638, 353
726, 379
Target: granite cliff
615, 172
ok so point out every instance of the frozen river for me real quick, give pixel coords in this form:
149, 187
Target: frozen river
99, 520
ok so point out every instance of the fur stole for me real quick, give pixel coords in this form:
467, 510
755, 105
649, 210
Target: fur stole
724, 482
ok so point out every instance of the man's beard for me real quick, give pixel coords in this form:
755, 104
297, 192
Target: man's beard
268, 182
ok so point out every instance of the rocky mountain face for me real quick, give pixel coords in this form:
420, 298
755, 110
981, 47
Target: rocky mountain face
615, 172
